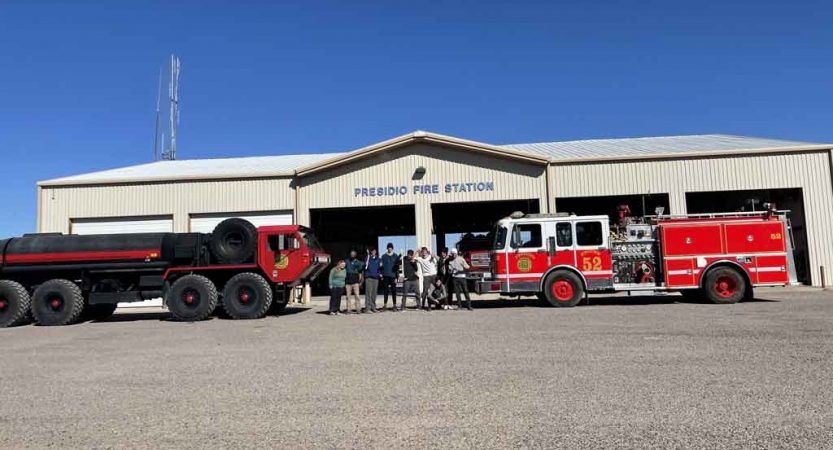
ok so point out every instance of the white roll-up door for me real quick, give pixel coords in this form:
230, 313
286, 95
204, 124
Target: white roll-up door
154, 224
123, 225
205, 223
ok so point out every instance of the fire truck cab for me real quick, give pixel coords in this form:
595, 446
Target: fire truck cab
561, 257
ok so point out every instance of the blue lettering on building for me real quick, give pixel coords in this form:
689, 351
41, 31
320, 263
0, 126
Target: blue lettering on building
422, 189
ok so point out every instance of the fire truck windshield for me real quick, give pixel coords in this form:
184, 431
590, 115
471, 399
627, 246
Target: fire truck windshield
310, 240
499, 241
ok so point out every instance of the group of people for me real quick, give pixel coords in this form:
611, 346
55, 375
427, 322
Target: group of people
430, 278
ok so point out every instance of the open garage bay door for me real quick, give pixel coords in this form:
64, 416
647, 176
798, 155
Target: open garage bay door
205, 223
454, 220
156, 224
753, 200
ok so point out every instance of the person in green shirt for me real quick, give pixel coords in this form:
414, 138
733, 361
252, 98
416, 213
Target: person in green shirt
338, 276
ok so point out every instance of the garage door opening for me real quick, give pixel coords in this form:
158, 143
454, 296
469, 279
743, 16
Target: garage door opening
342, 229
205, 223
753, 200
640, 205
452, 221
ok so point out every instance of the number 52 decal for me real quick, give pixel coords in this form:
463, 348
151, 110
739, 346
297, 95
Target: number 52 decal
589, 263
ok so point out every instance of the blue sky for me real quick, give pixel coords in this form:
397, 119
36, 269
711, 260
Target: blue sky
78, 79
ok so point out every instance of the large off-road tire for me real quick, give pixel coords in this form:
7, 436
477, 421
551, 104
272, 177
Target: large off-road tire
192, 298
14, 304
247, 296
99, 311
57, 302
233, 241
563, 289
724, 285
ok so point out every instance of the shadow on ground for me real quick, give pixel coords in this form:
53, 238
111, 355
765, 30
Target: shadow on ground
165, 316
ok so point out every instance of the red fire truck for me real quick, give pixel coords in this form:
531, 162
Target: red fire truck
54, 278
475, 249
562, 257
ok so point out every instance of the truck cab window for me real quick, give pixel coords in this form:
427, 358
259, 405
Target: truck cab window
589, 234
275, 243
499, 238
564, 234
530, 236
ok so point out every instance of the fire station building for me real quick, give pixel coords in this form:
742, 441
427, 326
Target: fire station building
428, 186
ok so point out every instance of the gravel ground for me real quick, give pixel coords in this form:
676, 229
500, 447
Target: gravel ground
624, 372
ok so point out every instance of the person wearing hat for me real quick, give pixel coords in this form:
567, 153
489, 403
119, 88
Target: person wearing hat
458, 267
390, 272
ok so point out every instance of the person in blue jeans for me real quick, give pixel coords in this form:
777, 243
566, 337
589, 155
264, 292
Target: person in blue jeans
372, 273
390, 272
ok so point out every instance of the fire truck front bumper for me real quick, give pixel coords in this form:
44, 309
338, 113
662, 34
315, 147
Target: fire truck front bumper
488, 286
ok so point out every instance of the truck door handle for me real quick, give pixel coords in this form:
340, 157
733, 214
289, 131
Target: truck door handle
542, 249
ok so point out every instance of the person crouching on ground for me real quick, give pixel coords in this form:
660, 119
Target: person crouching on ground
372, 273
411, 283
438, 294
459, 266
355, 270
338, 275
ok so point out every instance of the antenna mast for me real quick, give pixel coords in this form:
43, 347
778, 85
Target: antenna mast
156, 130
173, 94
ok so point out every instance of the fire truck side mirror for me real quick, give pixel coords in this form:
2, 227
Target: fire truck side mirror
551, 246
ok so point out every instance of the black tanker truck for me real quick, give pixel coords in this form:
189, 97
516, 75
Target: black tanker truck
57, 279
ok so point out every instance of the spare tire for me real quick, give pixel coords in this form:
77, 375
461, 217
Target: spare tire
234, 241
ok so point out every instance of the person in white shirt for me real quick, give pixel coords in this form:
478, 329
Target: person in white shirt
428, 264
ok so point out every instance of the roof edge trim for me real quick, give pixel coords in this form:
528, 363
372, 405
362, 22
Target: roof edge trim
58, 182
420, 136
694, 154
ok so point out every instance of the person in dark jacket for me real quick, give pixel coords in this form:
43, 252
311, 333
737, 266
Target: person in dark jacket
337, 276
355, 275
390, 272
372, 273
444, 275
412, 283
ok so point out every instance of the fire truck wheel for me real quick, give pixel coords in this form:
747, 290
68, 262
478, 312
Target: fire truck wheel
99, 311
563, 289
724, 285
192, 298
233, 241
14, 304
57, 302
247, 296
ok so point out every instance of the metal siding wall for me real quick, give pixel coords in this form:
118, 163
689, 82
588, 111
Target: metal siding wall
60, 204
809, 171
334, 188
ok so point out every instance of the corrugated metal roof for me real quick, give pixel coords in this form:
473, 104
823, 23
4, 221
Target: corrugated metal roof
253, 166
556, 151
647, 146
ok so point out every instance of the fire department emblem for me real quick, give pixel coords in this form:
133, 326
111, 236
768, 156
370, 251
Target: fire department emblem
524, 264
282, 263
